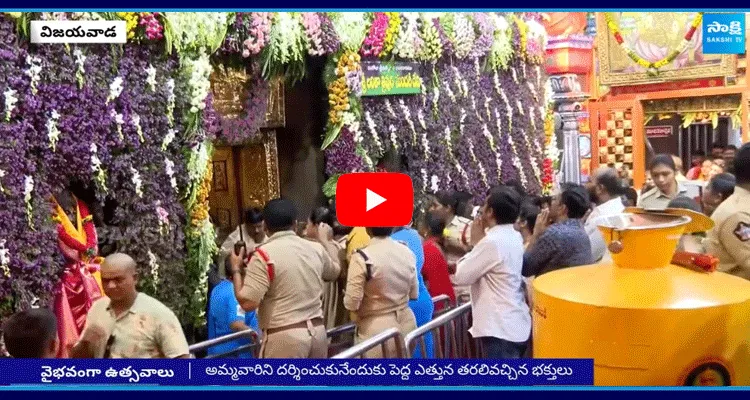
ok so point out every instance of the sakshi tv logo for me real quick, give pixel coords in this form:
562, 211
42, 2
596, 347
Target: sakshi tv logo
724, 33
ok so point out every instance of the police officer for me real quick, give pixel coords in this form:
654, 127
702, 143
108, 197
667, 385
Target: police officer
382, 278
729, 240
283, 278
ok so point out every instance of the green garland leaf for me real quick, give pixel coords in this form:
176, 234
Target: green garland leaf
329, 188
331, 136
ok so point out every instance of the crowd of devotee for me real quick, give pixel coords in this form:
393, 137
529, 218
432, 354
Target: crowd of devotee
291, 286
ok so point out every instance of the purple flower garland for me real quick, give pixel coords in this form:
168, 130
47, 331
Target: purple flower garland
433, 155
85, 118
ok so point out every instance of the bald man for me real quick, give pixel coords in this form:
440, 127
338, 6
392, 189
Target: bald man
127, 323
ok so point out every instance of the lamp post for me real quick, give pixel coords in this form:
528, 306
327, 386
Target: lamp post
567, 58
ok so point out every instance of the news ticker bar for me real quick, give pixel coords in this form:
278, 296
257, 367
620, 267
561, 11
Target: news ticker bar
267, 372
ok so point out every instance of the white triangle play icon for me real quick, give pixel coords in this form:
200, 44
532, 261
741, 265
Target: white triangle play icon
373, 200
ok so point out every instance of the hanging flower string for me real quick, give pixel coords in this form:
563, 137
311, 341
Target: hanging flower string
375, 39
653, 67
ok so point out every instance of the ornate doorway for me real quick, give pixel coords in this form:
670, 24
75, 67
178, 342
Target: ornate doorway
246, 175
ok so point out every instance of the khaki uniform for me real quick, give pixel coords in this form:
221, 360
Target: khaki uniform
729, 240
655, 199
147, 330
381, 297
288, 287
456, 233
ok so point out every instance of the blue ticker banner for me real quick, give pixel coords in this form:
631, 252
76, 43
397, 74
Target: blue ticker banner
350, 372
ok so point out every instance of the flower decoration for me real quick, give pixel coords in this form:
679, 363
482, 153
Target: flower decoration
483, 43
10, 102
463, 35
391, 33
257, 34
153, 28
408, 43
285, 51
502, 50
329, 40
432, 48
313, 33
375, 39
131, 22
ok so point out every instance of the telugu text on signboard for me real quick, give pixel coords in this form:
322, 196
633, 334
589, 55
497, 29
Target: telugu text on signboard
659, 131
390, 78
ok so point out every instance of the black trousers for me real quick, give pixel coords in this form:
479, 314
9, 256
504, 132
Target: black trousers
502, 349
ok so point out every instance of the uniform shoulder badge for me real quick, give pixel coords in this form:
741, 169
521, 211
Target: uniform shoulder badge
742, 231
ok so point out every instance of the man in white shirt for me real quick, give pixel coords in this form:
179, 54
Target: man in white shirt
501, 318
605, 191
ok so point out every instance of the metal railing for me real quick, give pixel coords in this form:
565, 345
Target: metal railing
251, 335
340, 338
381, 339
442, 299
335, 346
450, 334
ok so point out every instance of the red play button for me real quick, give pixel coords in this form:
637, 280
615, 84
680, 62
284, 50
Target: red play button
374, 199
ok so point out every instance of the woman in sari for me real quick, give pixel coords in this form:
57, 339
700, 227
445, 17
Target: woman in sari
81, 282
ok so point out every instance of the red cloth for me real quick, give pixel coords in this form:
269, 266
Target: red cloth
694, 173
435, 272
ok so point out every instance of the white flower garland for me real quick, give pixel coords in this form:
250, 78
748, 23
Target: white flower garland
136, 120
390, 109
287, 38
516, 159
53, 134
498, 158
199, 83
502, 49
28, 188
169, 169
425, 141
538, 76
96, 168
170, 102
424, 180
463, 87
496, 81
34, 72
532, 158
407, 116
435, 98
80, 62
393, 136
487, 102
153, 263
4, 259
463, 35
373, 132
474, 158
10, 102
406, 45
435, 184
115, 89
151, 77
136, 179
523, 70
119, 121
168, 138
515, 74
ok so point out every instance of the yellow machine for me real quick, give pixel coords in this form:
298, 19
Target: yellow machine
645, 321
